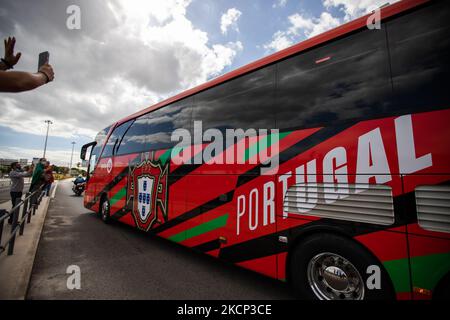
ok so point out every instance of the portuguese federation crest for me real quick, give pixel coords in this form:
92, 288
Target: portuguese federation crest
147, 190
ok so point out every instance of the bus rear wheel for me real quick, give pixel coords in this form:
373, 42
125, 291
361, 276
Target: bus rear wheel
105, 211
331, 267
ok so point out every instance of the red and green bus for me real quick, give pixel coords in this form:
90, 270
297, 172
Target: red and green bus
358, 206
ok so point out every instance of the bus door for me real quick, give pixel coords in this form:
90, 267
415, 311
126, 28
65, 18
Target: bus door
90, 164
121, 156
92, 185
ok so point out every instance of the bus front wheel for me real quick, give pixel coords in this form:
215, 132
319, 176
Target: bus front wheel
105, 210
331, 267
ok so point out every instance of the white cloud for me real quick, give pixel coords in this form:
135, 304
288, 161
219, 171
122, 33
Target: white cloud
223, 55
315, 26
229, 20
280, 41
355, 8
128, 55
57, 157
301, 27
279, 4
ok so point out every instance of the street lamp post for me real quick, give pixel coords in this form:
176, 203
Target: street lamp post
71, 157
48, 122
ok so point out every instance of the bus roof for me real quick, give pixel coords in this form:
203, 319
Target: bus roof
386, 12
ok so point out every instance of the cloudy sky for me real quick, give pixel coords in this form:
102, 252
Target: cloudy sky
130, 54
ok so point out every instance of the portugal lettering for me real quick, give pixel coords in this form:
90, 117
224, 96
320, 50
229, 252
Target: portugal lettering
371, 165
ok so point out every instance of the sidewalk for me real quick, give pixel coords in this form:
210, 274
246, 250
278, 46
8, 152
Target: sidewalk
15, 270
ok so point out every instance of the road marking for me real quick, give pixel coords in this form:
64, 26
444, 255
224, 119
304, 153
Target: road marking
54, 190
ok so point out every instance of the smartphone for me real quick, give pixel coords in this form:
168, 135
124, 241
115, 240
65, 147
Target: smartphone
44, 58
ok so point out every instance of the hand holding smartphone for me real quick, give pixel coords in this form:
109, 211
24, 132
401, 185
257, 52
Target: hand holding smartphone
44, 67
44, 58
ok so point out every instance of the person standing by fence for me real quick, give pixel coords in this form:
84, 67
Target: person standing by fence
17, 176
48, 176
37, 179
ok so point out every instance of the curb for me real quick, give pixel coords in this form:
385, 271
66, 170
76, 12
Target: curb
27, 279
16, 270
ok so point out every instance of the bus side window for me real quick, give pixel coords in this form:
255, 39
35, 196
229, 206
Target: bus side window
346, 79
95, 152
163, 122
135, 138
122, 130
114, 139
419, 44
92, 162
244, 103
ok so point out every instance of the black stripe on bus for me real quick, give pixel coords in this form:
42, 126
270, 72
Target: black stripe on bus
181, 172
121, 212
208, 246
206, 207
269, 244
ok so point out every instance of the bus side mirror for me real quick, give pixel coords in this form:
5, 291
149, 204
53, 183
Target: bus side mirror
84, 149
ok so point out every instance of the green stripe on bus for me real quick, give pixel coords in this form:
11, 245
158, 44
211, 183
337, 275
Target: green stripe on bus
266, 142
398, 270
168, 154
428, 270
119, 195
200, 229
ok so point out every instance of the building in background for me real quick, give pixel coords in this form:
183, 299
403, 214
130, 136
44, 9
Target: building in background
6, 162
5, 165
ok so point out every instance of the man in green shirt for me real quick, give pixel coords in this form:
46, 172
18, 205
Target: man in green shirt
37, 180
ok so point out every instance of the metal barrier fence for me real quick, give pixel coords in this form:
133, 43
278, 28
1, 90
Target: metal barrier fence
29, 206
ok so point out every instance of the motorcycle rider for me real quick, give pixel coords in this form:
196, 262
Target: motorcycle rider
78, 185
79, 180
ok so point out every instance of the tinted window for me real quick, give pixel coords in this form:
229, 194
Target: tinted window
115, 138
345, 79
245, 102
135, 137
163, 122
100, 139
95, 153
420, 49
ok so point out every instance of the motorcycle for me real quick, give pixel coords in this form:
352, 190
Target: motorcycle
78, 188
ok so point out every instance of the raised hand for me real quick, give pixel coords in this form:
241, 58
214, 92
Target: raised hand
11, 58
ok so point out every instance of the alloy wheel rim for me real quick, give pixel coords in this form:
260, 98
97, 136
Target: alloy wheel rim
333, 277
105, 210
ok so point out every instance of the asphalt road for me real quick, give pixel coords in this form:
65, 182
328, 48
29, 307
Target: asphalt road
118, 262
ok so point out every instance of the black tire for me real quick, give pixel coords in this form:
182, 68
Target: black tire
330, 246
442, 291
104, 210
